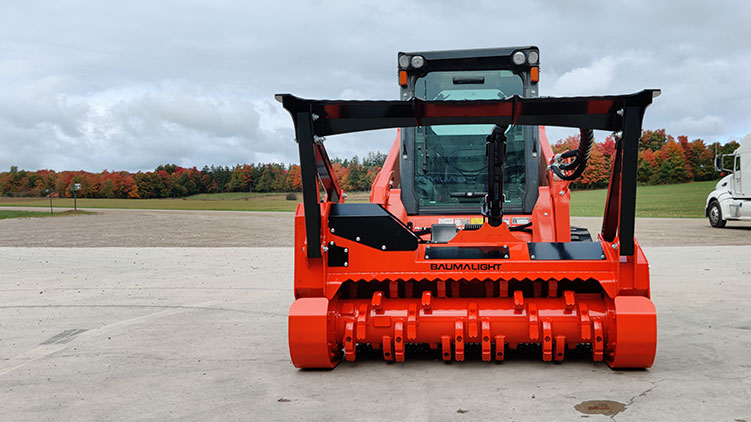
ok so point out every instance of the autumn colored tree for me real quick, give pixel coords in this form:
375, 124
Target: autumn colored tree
279, 174
357, 176
242, 178
652, 140
341, 173
700, 159
647, 166
671, 165
295, 178
608, 148
729, 147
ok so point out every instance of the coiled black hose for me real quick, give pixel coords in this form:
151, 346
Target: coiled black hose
580, 155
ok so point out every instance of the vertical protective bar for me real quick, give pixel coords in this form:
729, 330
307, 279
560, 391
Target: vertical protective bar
304, 133
612, 205
326, 173
630, 142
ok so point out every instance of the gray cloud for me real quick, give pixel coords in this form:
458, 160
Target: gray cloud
94, 85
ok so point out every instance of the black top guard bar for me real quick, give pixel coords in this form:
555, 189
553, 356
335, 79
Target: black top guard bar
315, 119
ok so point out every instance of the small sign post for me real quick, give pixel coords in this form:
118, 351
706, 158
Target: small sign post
75, 187
49, 193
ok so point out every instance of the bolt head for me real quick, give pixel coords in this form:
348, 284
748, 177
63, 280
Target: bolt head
325, 249
383, 247
331, 243
505, 256
561, 193
346, 250
427, 257
346, 264
614, 246
357, 238
332, 230
531, 257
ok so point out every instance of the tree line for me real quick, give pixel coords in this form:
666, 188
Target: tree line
172, 181
663, 159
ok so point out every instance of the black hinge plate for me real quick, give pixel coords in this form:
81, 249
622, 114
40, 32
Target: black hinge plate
338, 256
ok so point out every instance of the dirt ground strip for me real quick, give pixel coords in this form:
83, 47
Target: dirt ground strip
169, 228
147, 228
120, 334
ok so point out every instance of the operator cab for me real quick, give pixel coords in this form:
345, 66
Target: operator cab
444, 169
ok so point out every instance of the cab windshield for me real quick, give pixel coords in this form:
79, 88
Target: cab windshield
451, 166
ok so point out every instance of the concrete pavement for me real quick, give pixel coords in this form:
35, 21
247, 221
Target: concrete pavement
200, 334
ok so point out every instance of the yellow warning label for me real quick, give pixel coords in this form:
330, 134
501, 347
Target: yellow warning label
476, 220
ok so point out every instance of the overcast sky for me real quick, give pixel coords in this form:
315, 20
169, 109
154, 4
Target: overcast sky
120, 85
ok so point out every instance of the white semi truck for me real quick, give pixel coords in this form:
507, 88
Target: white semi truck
731, 199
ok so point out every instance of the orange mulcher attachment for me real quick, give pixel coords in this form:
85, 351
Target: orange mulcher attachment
374, 276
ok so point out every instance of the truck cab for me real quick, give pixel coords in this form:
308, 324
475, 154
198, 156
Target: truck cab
731, 199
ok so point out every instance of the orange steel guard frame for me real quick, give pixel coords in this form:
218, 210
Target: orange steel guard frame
388, 298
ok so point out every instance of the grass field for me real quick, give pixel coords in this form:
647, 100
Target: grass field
5, 214
682, 200
235, 196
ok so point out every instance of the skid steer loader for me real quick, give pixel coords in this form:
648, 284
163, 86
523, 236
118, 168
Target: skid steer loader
466, 244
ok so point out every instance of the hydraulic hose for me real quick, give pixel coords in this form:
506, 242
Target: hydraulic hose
580, 155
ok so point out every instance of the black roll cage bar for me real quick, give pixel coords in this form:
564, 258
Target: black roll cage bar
315, 119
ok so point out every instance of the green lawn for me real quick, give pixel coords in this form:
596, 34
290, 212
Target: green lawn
230, 196
682, 200
4, 214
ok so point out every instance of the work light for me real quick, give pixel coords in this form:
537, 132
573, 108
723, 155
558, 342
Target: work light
519, 58
532, 57
403, 61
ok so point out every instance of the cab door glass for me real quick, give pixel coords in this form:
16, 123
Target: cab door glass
450, 168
